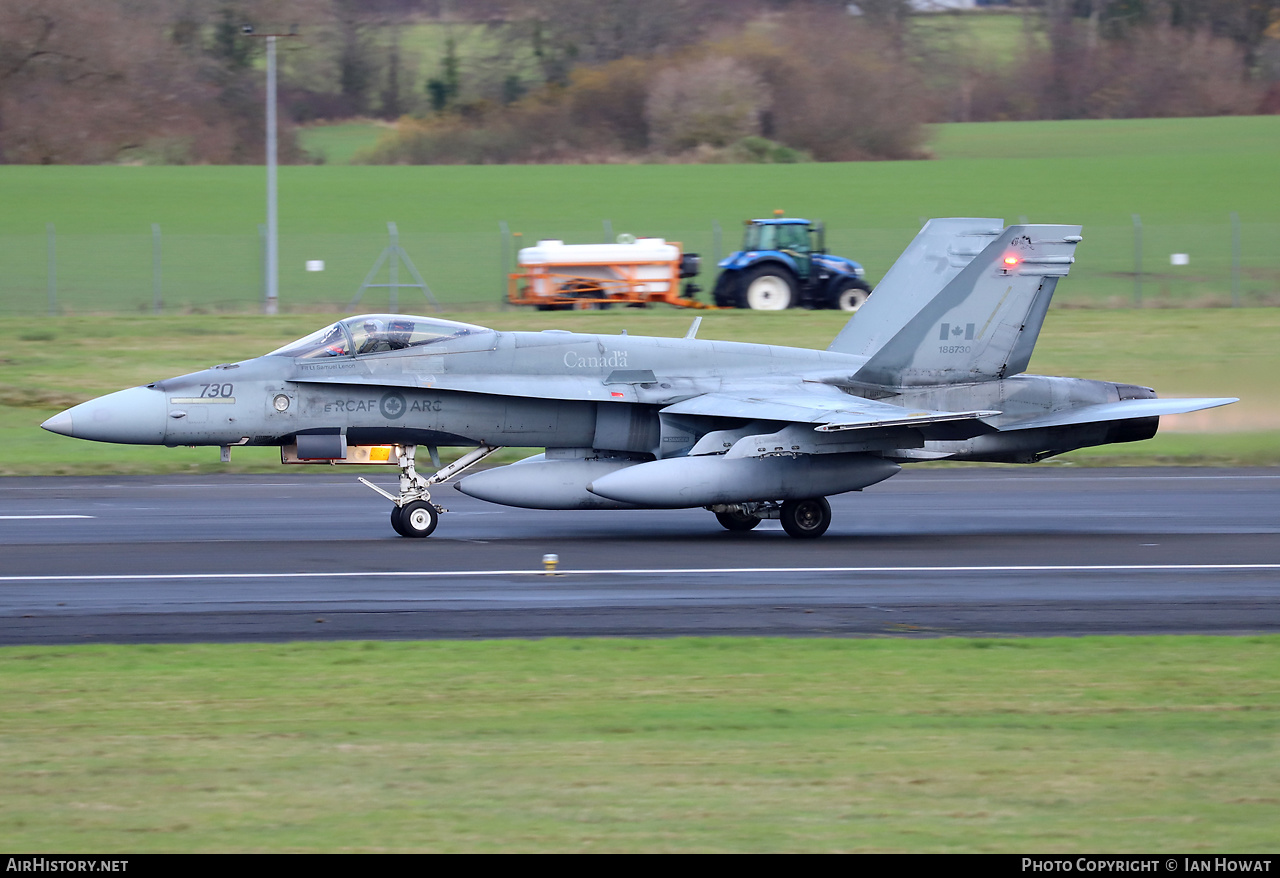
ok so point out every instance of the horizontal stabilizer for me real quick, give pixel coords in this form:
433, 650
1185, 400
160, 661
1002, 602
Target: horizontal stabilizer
1124, 410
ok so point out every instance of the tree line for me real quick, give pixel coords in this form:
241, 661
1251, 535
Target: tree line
178, 81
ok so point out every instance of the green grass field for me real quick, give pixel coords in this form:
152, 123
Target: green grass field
1181, 352
336, 143
1052, 746
1184, 177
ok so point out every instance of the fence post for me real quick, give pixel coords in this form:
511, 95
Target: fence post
1235, 259
504, 260
157, 303
716, 232
53, 269
393, 270
608, 231
1137, 261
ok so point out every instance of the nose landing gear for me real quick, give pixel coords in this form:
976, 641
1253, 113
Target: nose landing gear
414, 515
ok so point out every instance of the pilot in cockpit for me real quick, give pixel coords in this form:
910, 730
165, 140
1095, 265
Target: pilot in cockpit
375, 339
399, 333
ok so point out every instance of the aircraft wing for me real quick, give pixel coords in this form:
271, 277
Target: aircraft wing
826, 407
1117, 411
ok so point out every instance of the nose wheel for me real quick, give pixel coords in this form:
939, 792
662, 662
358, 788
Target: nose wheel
416, 519
414, 515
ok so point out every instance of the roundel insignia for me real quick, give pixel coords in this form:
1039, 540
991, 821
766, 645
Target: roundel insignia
392, 405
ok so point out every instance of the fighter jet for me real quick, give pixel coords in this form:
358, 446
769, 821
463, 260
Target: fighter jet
931, 368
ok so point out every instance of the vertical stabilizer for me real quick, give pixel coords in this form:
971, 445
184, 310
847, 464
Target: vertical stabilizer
984, 323
936, 255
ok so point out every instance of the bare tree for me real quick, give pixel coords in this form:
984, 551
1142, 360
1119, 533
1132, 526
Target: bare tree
713, 101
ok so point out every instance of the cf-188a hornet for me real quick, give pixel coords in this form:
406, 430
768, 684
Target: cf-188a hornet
930, 368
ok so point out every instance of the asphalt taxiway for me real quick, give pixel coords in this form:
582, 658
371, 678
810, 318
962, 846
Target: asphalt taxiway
984, 551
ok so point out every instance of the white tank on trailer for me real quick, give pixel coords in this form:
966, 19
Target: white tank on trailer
639, 270
553, 252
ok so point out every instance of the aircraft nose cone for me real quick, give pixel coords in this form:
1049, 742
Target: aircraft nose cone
135, 416
60, 423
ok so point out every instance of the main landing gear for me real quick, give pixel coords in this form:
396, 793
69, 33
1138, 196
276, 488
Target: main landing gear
414, 515
802, 519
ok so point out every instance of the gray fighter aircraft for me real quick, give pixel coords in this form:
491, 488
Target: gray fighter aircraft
931, 368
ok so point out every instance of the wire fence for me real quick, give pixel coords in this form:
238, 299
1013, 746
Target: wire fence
1127, 264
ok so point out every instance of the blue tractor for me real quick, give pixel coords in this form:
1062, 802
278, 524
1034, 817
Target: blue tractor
784, 263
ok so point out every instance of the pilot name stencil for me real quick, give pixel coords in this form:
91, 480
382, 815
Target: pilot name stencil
325, 367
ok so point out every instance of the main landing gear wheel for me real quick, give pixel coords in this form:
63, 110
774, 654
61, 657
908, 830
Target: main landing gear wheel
736, 520
416, 519
806, 519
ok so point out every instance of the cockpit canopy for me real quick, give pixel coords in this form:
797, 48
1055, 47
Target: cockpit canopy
375, 334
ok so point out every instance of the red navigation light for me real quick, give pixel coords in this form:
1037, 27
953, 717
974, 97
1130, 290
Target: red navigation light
1011, 261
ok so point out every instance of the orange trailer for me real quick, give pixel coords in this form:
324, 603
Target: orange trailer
636, 271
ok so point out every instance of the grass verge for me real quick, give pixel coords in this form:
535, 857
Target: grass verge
1055, 745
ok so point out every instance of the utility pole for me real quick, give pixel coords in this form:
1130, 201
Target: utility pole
271, 304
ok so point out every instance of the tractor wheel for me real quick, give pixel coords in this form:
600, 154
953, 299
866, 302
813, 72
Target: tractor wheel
724, 294
767, 288
850, 295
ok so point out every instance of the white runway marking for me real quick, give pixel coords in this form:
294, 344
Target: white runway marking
436, 574
31, 517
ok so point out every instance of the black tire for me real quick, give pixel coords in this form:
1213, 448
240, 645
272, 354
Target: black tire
769, 287
806, 519
738, 521
850, 295
724, 294
396, 525
418, 519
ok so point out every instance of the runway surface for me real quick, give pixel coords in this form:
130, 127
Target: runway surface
986, 551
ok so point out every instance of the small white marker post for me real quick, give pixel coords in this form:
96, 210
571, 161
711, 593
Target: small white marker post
1177, 259
315, 265
549, 563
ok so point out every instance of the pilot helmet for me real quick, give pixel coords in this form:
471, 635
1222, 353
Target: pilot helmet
373, 327
400, 330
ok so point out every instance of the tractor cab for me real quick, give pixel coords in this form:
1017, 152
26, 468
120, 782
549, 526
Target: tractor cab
784, 263
795, 237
